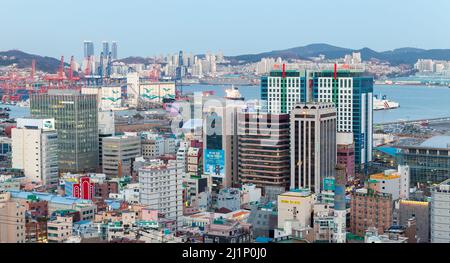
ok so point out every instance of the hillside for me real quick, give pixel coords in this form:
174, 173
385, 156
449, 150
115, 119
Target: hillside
395, 57
23, 60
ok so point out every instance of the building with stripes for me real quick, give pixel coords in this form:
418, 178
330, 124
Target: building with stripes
313, 145
351, 92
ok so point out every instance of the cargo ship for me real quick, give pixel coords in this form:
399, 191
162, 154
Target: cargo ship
384, 103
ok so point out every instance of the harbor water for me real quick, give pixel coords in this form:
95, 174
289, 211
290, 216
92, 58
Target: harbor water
416, 102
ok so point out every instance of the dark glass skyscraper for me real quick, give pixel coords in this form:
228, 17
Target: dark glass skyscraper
75, 117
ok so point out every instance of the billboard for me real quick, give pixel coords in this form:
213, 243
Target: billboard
214, 162
328, 184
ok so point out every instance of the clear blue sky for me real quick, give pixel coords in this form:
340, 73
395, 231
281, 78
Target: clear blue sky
150, 27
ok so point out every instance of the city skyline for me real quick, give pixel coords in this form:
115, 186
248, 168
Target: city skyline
199, 27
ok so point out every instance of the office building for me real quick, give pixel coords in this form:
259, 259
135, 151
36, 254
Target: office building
77, 126
429, 160
35, 150
88, 49
313, 145
440, 213
220, 140
264, 149
369, 208
12, 222
282, 90
119, 153
160, 188
352, 94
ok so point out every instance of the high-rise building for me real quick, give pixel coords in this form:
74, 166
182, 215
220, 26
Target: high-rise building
352, 94
119, 153
114, 54
161, 189
440, 213
77, 126
35, 150
105, 49
313, 145
350, 91
88, 49
281, 90
220, 139
264, 149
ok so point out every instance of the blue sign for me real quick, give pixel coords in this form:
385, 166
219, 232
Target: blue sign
328, 184
215, 162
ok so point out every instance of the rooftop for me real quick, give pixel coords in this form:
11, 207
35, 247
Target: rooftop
440, 142
48, 197
436, 142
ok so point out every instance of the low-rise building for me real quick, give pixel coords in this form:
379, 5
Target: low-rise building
295, 206
12, 222
59, 230
370, 208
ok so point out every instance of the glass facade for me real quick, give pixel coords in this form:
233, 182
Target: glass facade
76, 122
426, 165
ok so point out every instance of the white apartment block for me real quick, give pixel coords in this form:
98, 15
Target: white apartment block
161, 188
34, 150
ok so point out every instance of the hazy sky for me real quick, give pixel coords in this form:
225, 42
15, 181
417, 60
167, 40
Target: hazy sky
150, 27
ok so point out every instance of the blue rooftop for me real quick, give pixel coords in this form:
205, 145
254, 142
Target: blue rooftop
49, 197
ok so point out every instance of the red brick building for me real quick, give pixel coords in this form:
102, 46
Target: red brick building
370, 209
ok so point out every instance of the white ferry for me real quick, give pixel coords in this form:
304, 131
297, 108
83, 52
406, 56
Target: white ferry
384, 103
